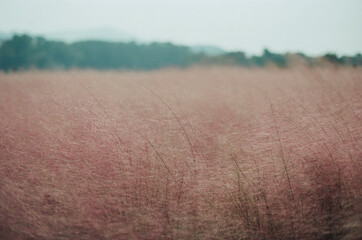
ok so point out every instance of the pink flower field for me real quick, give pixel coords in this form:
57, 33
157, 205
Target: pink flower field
197, 153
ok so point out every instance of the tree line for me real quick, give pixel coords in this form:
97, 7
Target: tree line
26, 52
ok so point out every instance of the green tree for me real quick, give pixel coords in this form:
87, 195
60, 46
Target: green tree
16, 53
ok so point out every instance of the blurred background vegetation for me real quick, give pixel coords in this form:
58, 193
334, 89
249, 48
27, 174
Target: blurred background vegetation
23, 52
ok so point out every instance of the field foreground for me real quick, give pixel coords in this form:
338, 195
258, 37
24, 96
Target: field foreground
201, 153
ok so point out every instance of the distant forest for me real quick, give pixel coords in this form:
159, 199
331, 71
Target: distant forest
24, 52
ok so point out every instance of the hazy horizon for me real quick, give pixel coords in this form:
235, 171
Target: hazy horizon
311, 27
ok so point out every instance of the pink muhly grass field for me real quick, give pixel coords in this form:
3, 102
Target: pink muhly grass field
201, 153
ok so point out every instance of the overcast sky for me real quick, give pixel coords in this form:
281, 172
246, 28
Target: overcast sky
311, 26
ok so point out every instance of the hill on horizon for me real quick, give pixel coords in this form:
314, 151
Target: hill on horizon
108, 35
